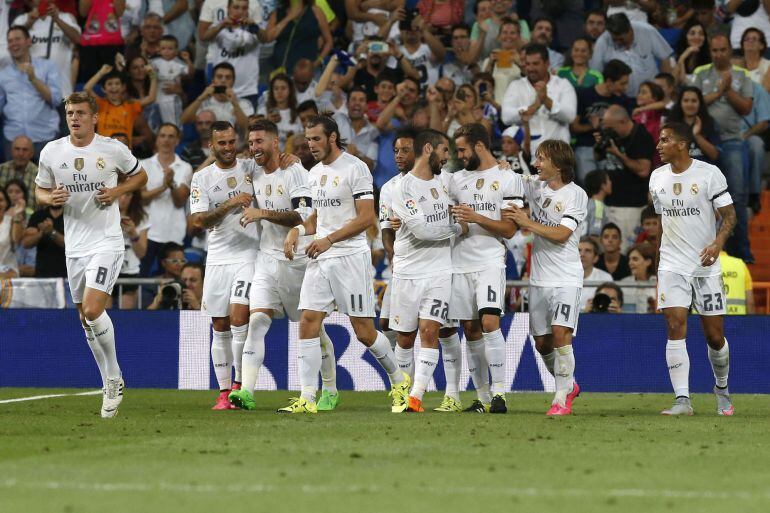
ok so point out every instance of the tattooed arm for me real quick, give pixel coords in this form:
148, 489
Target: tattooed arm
710, 253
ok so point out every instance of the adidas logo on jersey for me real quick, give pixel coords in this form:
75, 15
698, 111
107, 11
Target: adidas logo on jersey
465, 188
422, 198
64, 166
217, 188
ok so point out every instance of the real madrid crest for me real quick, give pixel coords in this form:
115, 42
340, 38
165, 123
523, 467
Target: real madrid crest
268, 189
694, 189
231, 182
546, 202
302, 202
247, 179
662, 298
336, 181
558, 207
279, 190
495, 185
434, 193
323, 180
79, 163
100, 163
677, 189
479, 183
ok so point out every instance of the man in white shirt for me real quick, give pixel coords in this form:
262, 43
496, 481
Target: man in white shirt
218, 194
282, 201
482, 190
686, 192
220, 99
589, 255
54, 36
165, 194
549, 102
339, 272
80, 172
558, 207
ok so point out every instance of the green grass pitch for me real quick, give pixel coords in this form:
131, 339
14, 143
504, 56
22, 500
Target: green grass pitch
168, 452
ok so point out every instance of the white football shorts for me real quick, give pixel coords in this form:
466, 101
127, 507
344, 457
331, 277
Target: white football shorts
705, 293
224, 285
550, 306
345, 281
424, 298
276, 285
476, 291
99, 271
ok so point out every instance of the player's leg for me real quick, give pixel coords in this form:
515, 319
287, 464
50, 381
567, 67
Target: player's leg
452, 357
710, 302
426, 362
222, 360
384, 323
545, 348
403, 306
76, 276
330, 396
239, 315
489, 288
100, 276
564, 317
252, 359
478, 367
404, 352
675, 295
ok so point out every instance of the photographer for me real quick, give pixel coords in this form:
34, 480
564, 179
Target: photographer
608, 299
220, 99
625, 150
172, 261
589, 255
192, 286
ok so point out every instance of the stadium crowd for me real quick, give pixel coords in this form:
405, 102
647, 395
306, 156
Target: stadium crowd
603, 76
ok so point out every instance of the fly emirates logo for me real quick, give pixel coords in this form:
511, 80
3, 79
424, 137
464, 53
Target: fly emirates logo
82, 184
677, 209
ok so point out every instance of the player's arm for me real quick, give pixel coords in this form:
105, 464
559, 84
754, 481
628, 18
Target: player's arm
505, 227
290, 218
209, 218
51, 197
414, 220
558, 234
388, 239
710, 253
359, 224
307, 227
107, 195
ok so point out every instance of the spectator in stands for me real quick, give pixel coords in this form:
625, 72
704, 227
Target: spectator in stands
651, 106
45, 231
148, 44
691, 109
635, 10
215, 11
385, 90
55, 35
372, 60
116, 114
220, 99
165, 194
197, 151
611, 259
138, 84
596, 21
542, 33
547, 101
706, 14
102, 39
592, 104
589, 255
486, 17
747, 14
300, 37
171, 259
667, 82
171, 68
615, 295
650, 227
465, 56
729, 94
29, 94
19, 194
176, 19
366, 20
442, 14
753, 49
566, 16
20, 167
598, 186
641, 261
503, 62
193, 274
281, 107
637, 44
691, 51
739, 288
356, 129
135, 224
463, 109
304, 83
11, 230
626, 151
576, 68
422, 50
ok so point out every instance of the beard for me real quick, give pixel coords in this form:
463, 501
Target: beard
222, 159
434, 161
473, 162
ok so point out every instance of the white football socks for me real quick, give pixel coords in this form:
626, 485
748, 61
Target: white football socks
328, 363
96, 350
309, 357
678, 367
239, 340
479, 369
720, 364
426, 365
549, 360
405, 360
104, 333
564, 373
222, 358
391, 336
254, 349
494, 343
382, 351
452, 356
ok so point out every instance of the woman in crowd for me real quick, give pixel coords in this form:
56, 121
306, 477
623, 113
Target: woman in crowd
11, 230
641, 260
502, 62
753, 48
299, 38
693, 51
281, 107
651, 106
464, 108
138, 87
133, 222
691, 109
576, 70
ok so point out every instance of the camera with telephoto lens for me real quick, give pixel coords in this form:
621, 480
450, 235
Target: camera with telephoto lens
606, 137
171, 296
601, 303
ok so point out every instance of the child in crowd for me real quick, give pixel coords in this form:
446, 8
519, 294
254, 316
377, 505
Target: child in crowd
171, 70
650, 107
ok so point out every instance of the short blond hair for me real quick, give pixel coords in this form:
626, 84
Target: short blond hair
82, 97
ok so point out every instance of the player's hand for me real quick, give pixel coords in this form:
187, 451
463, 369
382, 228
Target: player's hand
252, 215
106, 196
504, 165
290, 243
243, 199
517, 215
464, 214
59, 196
465, 228
286, 160
317, 247
709, 255
395, 223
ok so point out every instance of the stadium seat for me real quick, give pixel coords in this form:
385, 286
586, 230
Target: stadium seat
193, 255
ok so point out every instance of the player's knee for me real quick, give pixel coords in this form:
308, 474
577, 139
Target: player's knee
429, 333
221, 323
447, 332
677, 327
384, 324
92, 312
715, 336
239, 319
309, 328
490, 320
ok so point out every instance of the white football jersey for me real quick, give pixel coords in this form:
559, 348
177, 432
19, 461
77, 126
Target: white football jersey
686, 203
386, 201
553, 264
229, 242
283, 190
334, 190
423, 242
89, 227
487, 192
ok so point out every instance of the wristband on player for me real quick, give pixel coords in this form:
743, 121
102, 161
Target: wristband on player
301, 229
458, 229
